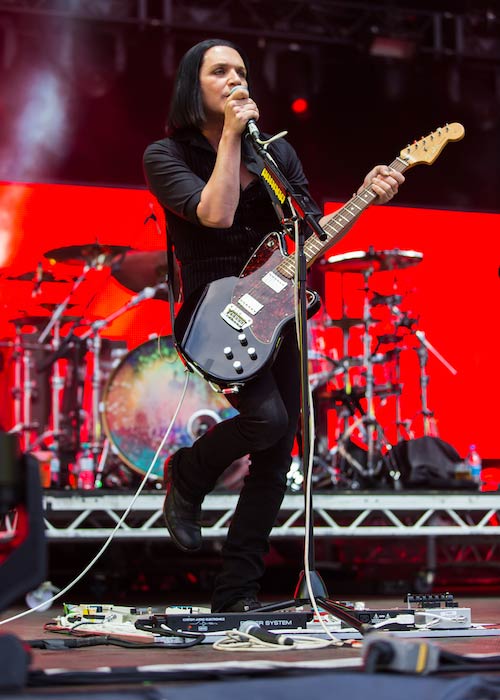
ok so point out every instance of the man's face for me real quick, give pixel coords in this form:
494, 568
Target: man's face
221, 70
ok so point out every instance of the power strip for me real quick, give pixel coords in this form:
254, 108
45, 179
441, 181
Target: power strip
443, 618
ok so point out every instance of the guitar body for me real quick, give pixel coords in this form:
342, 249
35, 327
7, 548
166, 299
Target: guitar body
240, 319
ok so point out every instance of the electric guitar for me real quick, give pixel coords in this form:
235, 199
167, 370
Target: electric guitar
233, 328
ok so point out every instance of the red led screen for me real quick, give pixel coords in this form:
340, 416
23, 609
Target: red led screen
451, 295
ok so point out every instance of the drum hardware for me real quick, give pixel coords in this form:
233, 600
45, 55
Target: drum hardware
372, 426
92, 255
39, 321
23, 391
348, 400
430, 428
57, 315
141, 268
92, 340
344, 323
99, 470
31, 276
385, 300
373, 260
52, 306
389, 339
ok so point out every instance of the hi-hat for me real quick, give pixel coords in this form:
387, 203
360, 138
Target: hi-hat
52, 306
386, 299
31, 276
373, 260
389, 338
40, 321
381, 391
344, 323
92, 253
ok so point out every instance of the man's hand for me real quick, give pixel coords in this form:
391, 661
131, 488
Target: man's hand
384, 182
239, 109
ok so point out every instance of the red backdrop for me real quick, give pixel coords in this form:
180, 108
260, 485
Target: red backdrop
454, 292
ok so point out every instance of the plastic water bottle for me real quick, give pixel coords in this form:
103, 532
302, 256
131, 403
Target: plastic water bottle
85, 477
475, 464
55, 470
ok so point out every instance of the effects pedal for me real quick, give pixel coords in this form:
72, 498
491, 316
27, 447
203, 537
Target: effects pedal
439, 611
220, 622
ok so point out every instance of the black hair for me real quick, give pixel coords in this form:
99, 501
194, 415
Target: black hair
186, 108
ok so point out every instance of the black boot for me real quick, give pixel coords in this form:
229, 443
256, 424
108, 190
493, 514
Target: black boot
182, 517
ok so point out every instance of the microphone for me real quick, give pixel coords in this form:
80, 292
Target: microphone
251, 128
253, 629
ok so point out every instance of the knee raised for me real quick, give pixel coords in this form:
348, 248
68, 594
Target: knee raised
266, 431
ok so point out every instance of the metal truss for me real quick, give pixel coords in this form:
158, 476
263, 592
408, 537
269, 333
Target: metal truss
340, 515
471, 34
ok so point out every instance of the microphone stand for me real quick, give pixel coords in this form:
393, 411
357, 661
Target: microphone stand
299, 205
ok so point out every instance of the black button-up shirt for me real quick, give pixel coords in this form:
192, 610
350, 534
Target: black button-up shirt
177, 169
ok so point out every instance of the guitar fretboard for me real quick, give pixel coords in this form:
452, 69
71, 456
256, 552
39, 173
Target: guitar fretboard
336, 227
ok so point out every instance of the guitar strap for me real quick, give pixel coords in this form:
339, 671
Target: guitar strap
257, 165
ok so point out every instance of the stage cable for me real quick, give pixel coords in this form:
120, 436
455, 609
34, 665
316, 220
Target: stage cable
106, 544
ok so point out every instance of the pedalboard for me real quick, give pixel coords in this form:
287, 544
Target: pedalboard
220, 622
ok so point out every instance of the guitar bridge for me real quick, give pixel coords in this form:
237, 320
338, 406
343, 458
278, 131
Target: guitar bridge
235, 317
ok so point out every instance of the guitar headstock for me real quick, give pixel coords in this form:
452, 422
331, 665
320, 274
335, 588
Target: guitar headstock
427, 149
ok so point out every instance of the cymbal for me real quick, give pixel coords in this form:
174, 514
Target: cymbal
373, 260
345, 323
381, 391
390, 338
52, 306
359, 361
88, 253
30, 277
41, 321
141, 268
386, 299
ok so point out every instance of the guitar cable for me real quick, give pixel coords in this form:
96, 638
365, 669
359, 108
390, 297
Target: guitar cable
69, 586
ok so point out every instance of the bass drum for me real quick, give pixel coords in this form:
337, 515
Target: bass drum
140, 399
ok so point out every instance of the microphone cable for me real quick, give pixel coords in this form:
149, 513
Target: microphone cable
311, 429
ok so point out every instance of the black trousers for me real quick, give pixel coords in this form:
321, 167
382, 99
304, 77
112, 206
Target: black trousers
265, 429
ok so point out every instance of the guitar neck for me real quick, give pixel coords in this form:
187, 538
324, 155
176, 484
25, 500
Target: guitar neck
337, 225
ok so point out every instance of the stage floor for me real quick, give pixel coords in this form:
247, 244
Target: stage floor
204, 664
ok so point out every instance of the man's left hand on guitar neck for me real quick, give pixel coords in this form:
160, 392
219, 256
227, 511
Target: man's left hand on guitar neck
384, 181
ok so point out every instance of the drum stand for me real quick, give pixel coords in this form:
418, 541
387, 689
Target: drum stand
56, 386
428, 415
430, 428
367, 422
93, 340
373, 429
22, 392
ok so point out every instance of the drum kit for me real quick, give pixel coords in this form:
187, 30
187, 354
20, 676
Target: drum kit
81, 397
359, 384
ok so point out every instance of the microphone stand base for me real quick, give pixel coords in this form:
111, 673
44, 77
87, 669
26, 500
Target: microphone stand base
317, 585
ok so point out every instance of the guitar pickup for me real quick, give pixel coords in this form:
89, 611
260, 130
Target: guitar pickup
235, 317
250, 304
273, 280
